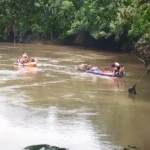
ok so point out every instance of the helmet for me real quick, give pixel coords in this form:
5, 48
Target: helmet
25, 55
117, 64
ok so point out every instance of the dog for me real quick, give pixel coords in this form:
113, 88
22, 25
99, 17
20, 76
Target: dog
132, 90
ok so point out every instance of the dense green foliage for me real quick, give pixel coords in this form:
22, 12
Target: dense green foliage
125, 20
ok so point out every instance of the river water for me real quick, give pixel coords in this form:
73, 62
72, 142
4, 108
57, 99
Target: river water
57, 105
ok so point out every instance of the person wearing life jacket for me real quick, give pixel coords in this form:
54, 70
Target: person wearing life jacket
89, 67
94, 68
24, 59
122, 70
116, 67
84, 66
31, 59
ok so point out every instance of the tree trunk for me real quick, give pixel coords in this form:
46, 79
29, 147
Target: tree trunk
52, 35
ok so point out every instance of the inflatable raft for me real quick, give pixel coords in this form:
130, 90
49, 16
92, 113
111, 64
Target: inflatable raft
100, 72
29, 64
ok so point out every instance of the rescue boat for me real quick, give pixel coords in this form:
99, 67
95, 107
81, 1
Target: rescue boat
100, 72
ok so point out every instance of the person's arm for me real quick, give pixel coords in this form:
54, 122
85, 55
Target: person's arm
21, 61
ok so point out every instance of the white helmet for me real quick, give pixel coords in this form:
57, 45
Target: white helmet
25, 55
117, 64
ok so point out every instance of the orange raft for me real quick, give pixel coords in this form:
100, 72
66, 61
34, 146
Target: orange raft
29, 64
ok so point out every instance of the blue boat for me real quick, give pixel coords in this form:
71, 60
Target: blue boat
100, 72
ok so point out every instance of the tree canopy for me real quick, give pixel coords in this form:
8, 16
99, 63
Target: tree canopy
125, 20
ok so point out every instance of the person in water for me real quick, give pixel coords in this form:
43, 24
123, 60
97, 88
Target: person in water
26, 59
94, 68
84, 66
122, 70
115, 67
89, 67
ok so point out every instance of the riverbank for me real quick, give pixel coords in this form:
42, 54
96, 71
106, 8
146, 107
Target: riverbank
82, 40
106, 45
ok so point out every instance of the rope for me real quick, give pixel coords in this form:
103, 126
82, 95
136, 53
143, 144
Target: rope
141, 77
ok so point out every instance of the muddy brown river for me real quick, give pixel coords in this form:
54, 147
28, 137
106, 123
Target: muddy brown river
57, 105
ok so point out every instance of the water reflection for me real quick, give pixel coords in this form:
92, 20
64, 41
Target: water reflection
131, 96
112, 82
26, 72
57, 128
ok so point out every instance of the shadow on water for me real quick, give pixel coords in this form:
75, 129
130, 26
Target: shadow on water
112, 83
